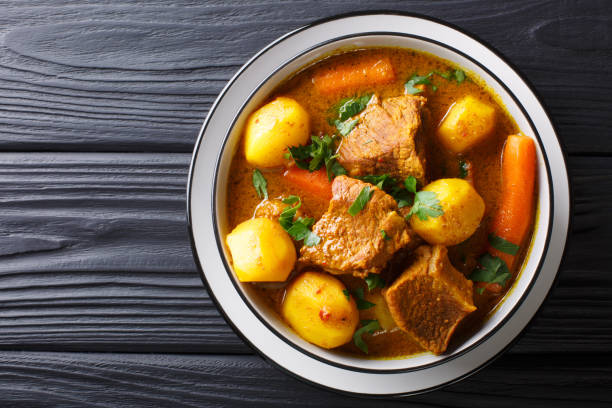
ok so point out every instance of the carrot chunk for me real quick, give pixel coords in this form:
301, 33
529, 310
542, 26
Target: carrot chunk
514, 216
367, 71
315, 183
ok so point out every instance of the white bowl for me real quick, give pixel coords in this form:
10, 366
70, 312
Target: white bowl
253, 320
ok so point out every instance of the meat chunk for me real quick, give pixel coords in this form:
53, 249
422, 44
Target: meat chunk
430, 298
355, 244
387, 140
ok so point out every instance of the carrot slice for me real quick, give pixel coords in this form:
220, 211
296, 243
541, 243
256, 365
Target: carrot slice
368, 71
315, 183
514, 216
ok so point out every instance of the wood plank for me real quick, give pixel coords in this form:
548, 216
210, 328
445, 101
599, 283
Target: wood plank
126, 380
95, 256
95, 246
141, 76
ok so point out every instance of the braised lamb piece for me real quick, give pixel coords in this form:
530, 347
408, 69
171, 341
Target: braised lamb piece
387, 140
355, 244
430, 298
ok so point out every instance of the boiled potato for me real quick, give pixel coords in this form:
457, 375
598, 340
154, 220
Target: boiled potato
270, 129
317, 309
467, 123
463, 210
381, 310
261, 251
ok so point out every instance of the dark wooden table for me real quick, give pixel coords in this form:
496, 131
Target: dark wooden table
100, 301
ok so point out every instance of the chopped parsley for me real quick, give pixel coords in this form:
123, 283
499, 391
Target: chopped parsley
361, 201
292, 199
402, 196
313, 156
287, 215
333, 167
392, 187
352, 106
415, 79
463, 169
321, 149
298, 229
367, 326
457, 75
386, 236
260, 184
503, 245
344, 128
347, 294
383, 181
411, 184
426, 204
491, 269
344, 110
362, 304
374, 281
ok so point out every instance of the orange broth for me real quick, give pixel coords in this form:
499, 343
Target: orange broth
485, 159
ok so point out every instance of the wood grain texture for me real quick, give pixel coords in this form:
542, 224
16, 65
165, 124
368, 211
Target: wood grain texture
144, 380
95, 257
94, 254
94, 250
141, 75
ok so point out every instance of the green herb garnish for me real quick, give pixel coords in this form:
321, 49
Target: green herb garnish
502, 245
344, 110
392, 187
426, 204
463, 169
415, 79
459, 76
260, 184
347, 294
344, 128
383, 181
333, 167
298, 229
352, 106
411, 184
374, 281
362, 304
292, 199
321, 148
367, 326
361, 201
446, 75
386, 237
287, 215
301, 155
491, 269
313, 156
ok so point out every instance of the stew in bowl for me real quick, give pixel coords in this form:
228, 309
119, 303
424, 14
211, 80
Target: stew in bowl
371, 203
389, 195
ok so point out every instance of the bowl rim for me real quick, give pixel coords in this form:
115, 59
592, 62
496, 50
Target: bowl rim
524, 111
453, 355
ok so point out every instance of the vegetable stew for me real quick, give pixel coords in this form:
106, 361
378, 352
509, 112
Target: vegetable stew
382, 202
